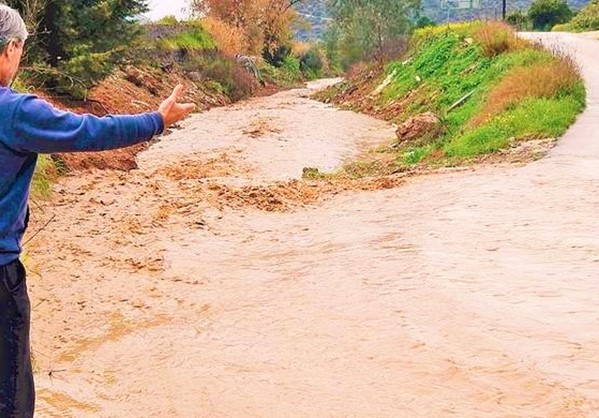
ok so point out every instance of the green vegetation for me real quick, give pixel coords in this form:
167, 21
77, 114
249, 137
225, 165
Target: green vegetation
45, 171
366, 31
192, 37
556, 15
518, 20
533, 118
489, 88
586, 19
544, 14
75, 43
312, 63
453, 65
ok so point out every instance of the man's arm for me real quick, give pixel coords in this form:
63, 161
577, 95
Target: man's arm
38, 127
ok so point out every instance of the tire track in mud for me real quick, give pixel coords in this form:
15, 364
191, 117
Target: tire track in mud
469, 293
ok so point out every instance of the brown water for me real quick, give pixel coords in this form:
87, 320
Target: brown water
464, 294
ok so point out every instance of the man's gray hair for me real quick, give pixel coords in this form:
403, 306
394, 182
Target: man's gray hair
12, 26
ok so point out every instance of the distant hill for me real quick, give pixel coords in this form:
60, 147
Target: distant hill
316, 14
442, 11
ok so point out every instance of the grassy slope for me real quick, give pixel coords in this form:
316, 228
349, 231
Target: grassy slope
447, 63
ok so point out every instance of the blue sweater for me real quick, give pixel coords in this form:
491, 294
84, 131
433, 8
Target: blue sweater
30, 126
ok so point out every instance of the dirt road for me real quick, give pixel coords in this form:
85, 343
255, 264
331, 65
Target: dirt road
171, 292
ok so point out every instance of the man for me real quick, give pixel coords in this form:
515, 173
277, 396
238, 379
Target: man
28, 127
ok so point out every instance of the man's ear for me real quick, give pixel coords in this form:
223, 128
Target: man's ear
9, 48
13, 45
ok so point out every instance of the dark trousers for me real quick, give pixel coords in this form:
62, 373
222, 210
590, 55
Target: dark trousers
17, 395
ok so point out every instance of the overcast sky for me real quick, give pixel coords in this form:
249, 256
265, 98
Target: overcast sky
161, 8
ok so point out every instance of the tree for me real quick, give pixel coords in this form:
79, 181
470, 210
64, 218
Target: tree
266, 24
79, 39
544, 14
371, 28
67, 28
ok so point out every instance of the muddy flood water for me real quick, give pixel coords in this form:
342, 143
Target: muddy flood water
207, 284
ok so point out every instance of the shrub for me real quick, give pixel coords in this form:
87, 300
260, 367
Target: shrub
423, 22
170, 20
496, 38
229, 39
544, 14
278, 56
518, 20
290, 69
311, 63
301, 48
562, 27
587, 19
192, 38
235, 80
429, 33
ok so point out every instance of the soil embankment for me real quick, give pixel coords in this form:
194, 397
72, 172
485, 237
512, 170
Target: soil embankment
167, 292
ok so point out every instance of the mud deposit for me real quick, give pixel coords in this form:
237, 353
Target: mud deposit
183, 289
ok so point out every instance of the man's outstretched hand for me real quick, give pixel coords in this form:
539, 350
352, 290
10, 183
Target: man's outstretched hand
172, 111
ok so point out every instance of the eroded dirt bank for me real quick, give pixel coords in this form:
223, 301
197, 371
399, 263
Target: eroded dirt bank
167, 292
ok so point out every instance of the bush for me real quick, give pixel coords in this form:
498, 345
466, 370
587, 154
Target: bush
587, 19
46, 171
193, 37
169, 20
544, 14
496, 38
229, 39
562, 27
288, 73
518, 20
277, 56
311, 63
290, 69
235, 80
423, 22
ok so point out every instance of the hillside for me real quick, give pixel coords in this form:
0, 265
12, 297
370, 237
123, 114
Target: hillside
458, 10
316, 14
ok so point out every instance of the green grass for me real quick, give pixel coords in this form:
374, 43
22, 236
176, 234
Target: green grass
415, 155
533, 118
194, 38
45, 171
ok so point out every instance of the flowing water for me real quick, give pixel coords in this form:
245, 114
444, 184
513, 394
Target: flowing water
469, 293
